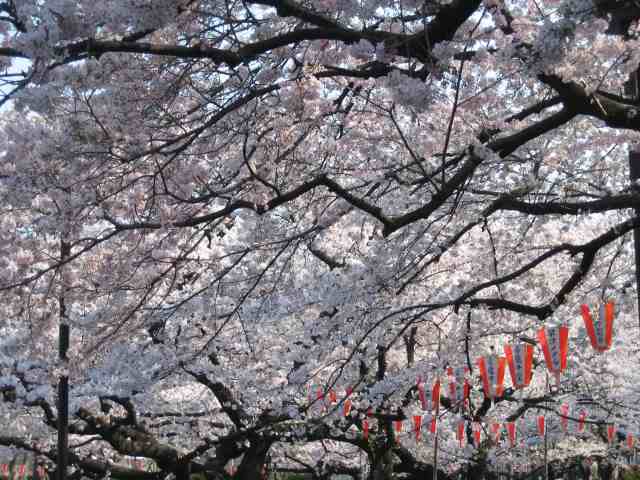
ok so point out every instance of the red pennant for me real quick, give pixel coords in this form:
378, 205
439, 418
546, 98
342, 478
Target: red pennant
581, 420
520, 360
629, 440
496, 430
422, 396
426, 403
611, 433
346, 407
434, 425
477, 433
332, 397
555, 343
365, 429
458, 385
435, 396
541, 425
417, 426
512, 432
460, 432
492, 372
564, 412
600, 332
398, 428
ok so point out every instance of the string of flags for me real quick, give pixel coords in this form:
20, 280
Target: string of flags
518, 360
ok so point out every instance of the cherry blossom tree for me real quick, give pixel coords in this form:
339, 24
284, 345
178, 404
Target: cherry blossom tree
244, 209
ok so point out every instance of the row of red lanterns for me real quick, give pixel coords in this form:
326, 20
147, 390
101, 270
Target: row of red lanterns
519, 358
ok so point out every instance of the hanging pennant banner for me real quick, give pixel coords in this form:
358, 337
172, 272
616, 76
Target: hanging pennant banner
346, 406
458, 385
520, 359
601, 331
564, 420
398, 428
365, 429
629, 440
333, 397
417, 426
541, 425
554, 342
492, 372
460, 433
429, 403
512, 433
581, 420
433, 427
496, 430
477, 433
435, 396
611, 433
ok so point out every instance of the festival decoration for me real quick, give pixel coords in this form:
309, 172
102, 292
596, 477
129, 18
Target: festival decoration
512, 433
458, 385
398, 428
346, 406
611, 432
496, 431
564, 414
554, 342
429, 403
492, 370
581, 420
541, 425
333, 398
520, 359
630, 440
477, 433
365, 429
601, 331
433, 427
460, 432
417, 426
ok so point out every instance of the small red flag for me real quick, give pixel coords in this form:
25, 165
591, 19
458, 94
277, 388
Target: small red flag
512, 432
583, 417
564, 412
541, 425
417, 426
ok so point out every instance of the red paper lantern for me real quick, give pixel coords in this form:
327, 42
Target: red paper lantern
496, 430
477, 433
520, 359
555, 342
581, 420
346, 406
398, 428
512, 432
429, 403
492, 370
460, 432
601, 331
417, 426
541, 425
458, 385
564, 420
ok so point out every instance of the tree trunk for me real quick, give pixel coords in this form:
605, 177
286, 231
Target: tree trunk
254, 460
